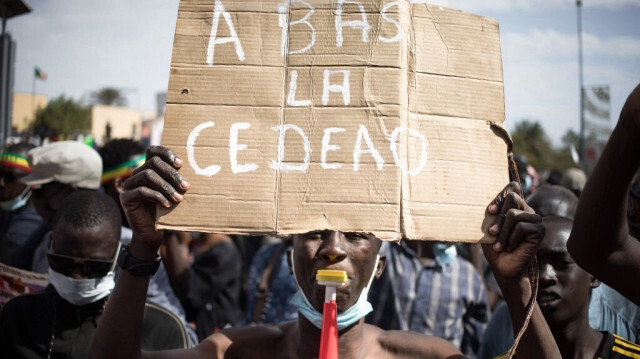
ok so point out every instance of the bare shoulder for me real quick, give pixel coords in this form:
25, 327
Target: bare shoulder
248, 342
407, 344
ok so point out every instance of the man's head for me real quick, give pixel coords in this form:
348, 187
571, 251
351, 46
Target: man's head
13, 166
120, 157
564, 287
553, 201
58, 170
86, 227
355, 253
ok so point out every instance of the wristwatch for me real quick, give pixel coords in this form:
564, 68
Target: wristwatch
138, 267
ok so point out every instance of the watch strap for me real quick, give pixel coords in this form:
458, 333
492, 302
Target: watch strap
138, 267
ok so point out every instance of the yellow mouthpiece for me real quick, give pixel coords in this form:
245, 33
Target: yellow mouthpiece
328, 275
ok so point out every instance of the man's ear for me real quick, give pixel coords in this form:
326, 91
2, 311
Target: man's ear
382, 262
289, 259
118, 184
595, 283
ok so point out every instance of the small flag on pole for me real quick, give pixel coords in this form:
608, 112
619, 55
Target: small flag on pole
39, 74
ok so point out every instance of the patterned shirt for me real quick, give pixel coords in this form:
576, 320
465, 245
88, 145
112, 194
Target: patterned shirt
446, 301
612, 347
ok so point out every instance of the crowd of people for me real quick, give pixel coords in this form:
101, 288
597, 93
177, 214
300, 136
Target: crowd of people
119, 288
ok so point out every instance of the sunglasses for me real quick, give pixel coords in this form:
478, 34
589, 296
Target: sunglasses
90, 268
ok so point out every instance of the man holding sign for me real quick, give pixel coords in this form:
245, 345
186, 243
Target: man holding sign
158, 182
340, 123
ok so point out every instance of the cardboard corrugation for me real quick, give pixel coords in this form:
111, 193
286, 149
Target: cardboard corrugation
443, 78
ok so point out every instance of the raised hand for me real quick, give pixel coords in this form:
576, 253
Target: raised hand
519, 231
157, 182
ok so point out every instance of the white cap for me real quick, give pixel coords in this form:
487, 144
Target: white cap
68, 162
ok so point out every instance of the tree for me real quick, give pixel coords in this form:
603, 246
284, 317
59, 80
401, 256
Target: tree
108, 96
530, 140
62, 116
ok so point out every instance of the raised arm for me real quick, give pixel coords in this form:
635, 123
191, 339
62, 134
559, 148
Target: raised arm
600, 241
519, 231
119, 331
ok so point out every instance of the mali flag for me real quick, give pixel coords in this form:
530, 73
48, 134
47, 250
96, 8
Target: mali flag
39, 74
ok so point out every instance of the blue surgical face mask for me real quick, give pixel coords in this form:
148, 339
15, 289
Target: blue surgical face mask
17, 202
528, 182
361, 307
444, 253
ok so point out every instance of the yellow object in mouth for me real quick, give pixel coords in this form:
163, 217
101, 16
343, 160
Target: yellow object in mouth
329, 275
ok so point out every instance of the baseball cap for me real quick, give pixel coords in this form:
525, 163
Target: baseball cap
68, 162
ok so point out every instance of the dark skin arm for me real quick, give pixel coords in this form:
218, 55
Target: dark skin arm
118, 334
600, 241
519, 232
158, 182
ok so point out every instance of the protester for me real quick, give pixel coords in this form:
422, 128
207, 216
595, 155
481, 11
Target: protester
20, 225
553, 201
249, 247
554, 177
209, 287
427, 288
271, 285
120, 157
600, 241
608, 310
563, 295
546, 201
526, 173
60, 322
159, 183
58, 170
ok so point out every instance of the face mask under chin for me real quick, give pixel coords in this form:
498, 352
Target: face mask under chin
17, 202
361, 308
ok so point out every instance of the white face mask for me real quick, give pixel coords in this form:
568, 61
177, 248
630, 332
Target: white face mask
82, 291
17, 202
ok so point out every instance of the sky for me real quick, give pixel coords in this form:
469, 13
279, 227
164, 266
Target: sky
87, 45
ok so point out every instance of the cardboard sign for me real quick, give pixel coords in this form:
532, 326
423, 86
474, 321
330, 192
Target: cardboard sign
362, 116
